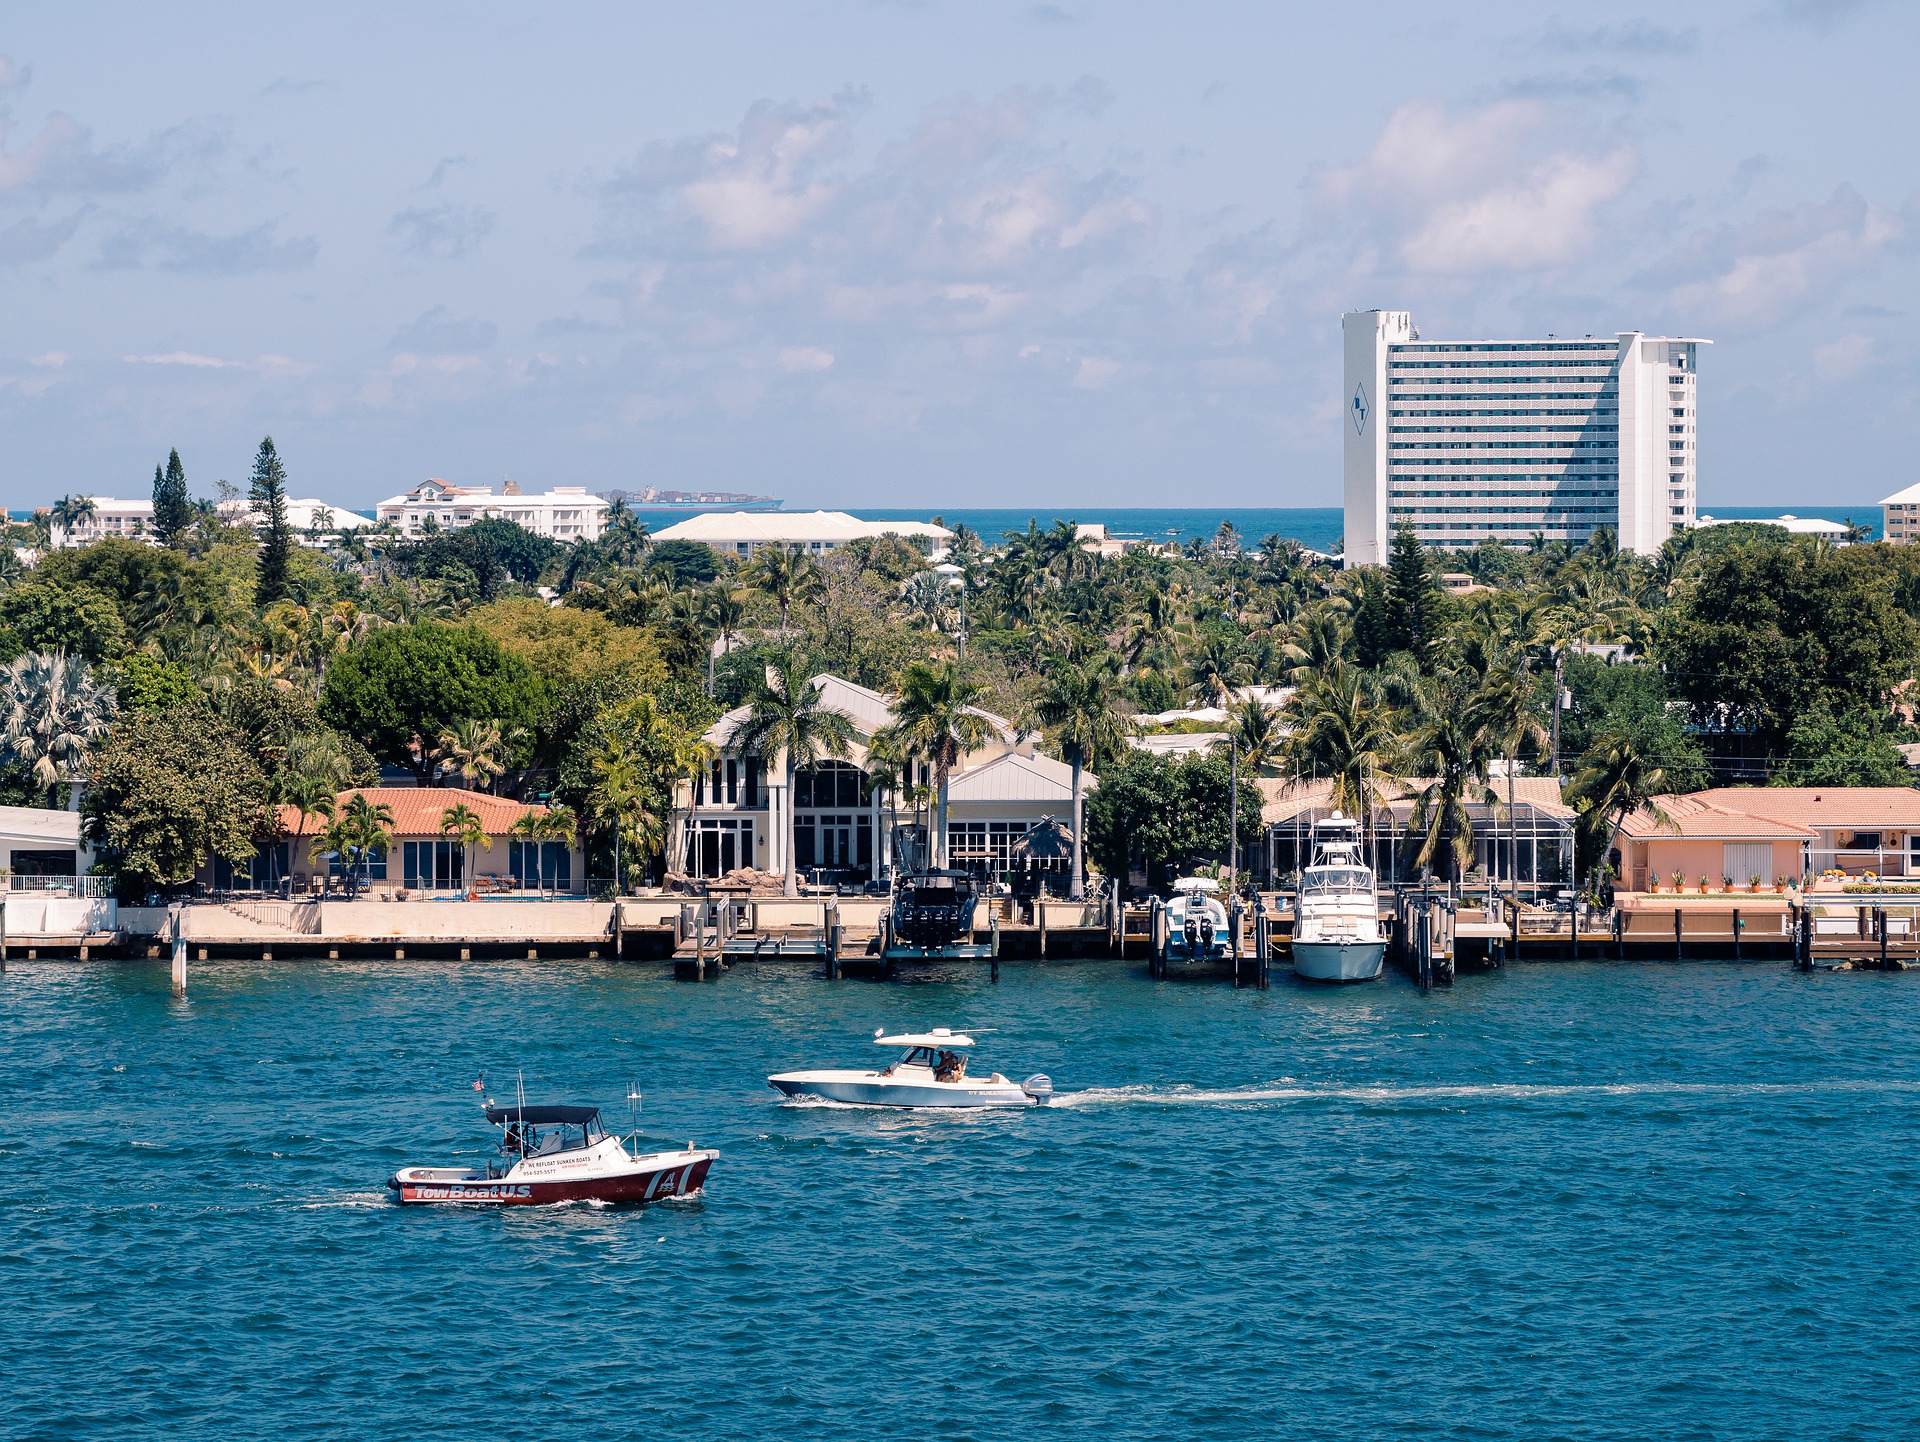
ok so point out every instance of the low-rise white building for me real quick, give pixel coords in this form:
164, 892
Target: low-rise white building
741, 533
1835, 531
565, 513
111, 517
1900, 516
301, 515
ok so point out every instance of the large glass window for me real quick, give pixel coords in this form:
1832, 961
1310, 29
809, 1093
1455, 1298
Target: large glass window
540, 864
433, 865
830, 783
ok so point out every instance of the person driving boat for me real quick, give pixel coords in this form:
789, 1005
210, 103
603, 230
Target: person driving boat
950, 1068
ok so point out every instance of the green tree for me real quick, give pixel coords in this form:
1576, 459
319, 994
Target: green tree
173, 516
398, 689
1772, 630
268, 495
784, 575
938, 717
1083, 711
69, 513
169, 789
461, 823
684, 563
786, 719
146, 683
52, 711
1615, 777
1415, 604
41, 615
1342, 731
1860, 747
358, 832
1167, 814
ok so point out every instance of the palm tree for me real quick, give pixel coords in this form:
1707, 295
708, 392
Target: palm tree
54, 711
1453, 751
462, 823
1215, 669
1615, 778
937, 717
359, 831
307, 794
477, 750
1343, 732
68, 514
927, 596
620, 798
783, 574
786, 718
1502, 711
1255, 728
724, 612
1082, 707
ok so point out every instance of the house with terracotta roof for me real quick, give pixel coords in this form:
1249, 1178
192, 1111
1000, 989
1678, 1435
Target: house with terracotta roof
1770, 832
420, 859
1529, 842
844, 825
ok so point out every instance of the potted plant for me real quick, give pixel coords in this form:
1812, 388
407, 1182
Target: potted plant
1679, 883
1726, 883
1753, 884
1653, 882
1704, 883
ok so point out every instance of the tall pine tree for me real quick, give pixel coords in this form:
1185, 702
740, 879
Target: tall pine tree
172, 506
269, 496
1413, 601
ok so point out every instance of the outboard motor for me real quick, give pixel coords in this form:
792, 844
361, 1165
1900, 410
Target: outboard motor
1039, 1086
1191, 929
1206, 930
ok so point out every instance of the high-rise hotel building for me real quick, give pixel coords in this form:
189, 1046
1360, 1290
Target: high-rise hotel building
1465, 440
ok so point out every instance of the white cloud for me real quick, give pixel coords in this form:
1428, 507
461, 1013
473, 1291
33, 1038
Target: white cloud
1758, 272
1095, 373
1457, 195
184, 358
801, 358
51, 360
1845, 357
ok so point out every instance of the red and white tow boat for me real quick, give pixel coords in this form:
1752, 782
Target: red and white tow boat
558, 1154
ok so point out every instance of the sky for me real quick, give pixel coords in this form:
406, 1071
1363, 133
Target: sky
902, 254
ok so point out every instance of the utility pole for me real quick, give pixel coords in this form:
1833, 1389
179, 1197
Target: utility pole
1559, 682
1233, 810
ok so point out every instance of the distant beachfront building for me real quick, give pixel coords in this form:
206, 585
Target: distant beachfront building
111, 517
1900, 516
565, 513
740, 533
134, 519
1473, 440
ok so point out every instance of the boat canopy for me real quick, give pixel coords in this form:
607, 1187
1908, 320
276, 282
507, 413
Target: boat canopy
1196, 883
938, 1037
543, 1116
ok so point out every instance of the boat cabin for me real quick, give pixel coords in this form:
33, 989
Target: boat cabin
1336, 880
940, 1051
547, 1130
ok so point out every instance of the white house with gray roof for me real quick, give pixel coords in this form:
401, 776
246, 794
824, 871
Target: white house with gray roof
735, 814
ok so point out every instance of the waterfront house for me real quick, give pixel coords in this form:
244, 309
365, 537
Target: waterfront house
1531, 844
845, 826
1770, 832
419, 859
43, 850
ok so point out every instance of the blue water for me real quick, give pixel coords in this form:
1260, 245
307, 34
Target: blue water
1317, 527
1564, 1201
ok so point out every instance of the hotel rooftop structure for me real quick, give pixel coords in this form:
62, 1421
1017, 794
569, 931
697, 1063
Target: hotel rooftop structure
1470, 440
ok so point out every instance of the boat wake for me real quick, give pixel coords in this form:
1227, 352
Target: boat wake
1094, 1097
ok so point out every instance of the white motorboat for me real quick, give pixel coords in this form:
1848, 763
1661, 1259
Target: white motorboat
1196, 922
931, 1072
1336, 932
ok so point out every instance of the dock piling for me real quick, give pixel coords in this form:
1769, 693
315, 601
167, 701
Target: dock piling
1676, 933
179, 952
1736, 933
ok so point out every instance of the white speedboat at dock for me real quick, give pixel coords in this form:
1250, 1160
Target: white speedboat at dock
558, 1154
1196, 927
931, 1072
1336, 932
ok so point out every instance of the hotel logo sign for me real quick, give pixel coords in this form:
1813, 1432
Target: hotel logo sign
1359, 409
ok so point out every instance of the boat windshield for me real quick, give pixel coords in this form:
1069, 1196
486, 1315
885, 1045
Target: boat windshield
1336, 881
945, 1065
532, 1140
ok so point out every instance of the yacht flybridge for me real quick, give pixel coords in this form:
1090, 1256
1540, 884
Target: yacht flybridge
1336, 934
558, 1154
930, 1072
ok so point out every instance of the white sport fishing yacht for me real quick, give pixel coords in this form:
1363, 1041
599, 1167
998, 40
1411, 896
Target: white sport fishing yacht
931, 1072
1336, 932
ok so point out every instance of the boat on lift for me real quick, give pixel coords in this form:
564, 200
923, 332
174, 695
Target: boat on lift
930, 1072
1336, 933
558, 1154
1196, 923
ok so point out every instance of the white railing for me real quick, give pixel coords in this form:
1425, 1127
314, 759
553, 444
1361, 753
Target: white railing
89, 886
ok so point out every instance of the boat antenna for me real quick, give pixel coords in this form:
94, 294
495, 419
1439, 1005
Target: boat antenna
633, 1114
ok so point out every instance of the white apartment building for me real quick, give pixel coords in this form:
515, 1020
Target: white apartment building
740, 533
565, 513
111, 517
1469, 440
